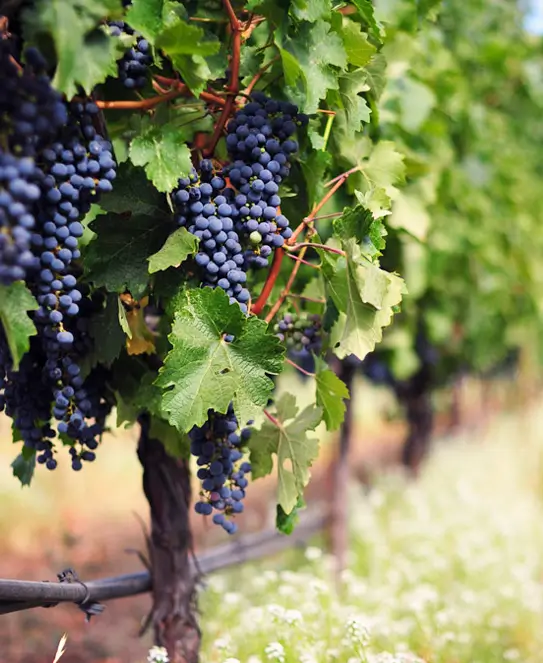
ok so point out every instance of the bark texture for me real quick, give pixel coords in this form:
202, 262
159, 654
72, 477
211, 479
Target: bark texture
166, 483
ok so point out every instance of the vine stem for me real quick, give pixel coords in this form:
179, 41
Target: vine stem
304, 262
280, 253
233, 85
299, 368
270, 281
259, 74
146, 104
274, 421
307, 299
315, 245
287, 288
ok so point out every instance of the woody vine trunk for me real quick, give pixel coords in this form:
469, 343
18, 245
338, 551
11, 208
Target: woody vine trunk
166, 483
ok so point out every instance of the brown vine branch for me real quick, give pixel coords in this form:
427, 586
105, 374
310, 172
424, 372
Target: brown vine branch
233, 85
299, 368
287, 288
315, 245
180, 89
270, 282
302, 261
259, 74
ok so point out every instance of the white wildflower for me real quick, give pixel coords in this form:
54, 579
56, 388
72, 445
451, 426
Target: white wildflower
275, 652
157, 655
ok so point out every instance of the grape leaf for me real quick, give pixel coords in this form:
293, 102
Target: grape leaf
149, 16
134, 194
23, 468
176, 444
358, 48
86, 54
359, 223
140, 340
365, 9
311, 10
351, 109
107, 332
314, 169
330, 394
294, 449
375, 72
117, 258
176, 249
203, 371
15, 303
383, 170
186, 45
162, 151
364, 296
318, 53
286, 522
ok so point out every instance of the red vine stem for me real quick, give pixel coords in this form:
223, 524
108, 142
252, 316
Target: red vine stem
270, 281
314, 245
299, 368
274, 421
233, 85
304, 262
287, 288
259, 74
273, 273
307, 299
145, 104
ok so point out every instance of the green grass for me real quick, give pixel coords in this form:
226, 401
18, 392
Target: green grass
447, 570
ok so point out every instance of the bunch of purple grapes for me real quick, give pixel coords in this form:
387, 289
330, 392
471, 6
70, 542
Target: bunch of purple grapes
133, 67
302, 334
239, 225
66, 165
218, 447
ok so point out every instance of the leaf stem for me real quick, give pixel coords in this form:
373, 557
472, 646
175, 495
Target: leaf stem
304, 262
145, 104
315, 245
299, 368
274, 421
306, 299
344, 175
327, 131
233, 85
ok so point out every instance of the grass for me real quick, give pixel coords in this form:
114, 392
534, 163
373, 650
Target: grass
444, 570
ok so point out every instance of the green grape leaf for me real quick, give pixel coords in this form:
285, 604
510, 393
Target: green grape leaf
134, 194
162, 151
23, 467
359, 50
382, 171
15, 303
330, 395
351, 109
314, 168
311, 10
319, 54
177, 248
364, 296
375, 73
203, 371
86, 54
366, 11
117, 258
176, 444
286, 522
107, 332
187, 46
288, 439
149, 17
291, 68
359, 223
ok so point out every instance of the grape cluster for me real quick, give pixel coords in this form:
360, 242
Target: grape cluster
302, 334
218, 447
239, 223
207, 207
133, 67
19, 192
32, 111
44, 194
260, 145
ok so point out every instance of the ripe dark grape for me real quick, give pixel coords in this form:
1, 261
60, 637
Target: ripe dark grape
19, 193
218, 447
303, 337
133, 68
